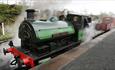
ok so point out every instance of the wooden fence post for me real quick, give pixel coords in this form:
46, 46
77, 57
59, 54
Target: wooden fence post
3, 31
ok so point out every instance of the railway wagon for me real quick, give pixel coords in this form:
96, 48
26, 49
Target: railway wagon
106, 24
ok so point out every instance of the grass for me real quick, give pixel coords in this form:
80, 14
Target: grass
5, 37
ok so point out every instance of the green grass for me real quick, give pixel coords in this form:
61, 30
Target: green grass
5, 37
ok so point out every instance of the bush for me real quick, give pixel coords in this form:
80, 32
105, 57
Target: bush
8, 13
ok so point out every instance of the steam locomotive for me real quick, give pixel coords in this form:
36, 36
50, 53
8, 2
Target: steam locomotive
41, 39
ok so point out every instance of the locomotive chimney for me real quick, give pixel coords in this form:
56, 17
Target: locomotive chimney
30, 14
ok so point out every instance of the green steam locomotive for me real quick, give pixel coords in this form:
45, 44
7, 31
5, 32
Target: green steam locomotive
54, 33
44, 38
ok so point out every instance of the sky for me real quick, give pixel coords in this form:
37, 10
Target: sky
10, 1
92, 6
80, 6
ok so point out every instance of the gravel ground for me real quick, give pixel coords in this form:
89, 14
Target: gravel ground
4, 60
100, 57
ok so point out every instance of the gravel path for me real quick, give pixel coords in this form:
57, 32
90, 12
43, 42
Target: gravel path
100, 57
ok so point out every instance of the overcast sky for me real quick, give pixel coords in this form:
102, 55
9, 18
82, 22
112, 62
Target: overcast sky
92, 6
81, 6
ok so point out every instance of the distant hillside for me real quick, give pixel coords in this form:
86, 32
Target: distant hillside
8, 13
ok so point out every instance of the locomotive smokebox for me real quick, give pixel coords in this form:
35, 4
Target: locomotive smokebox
30, 14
